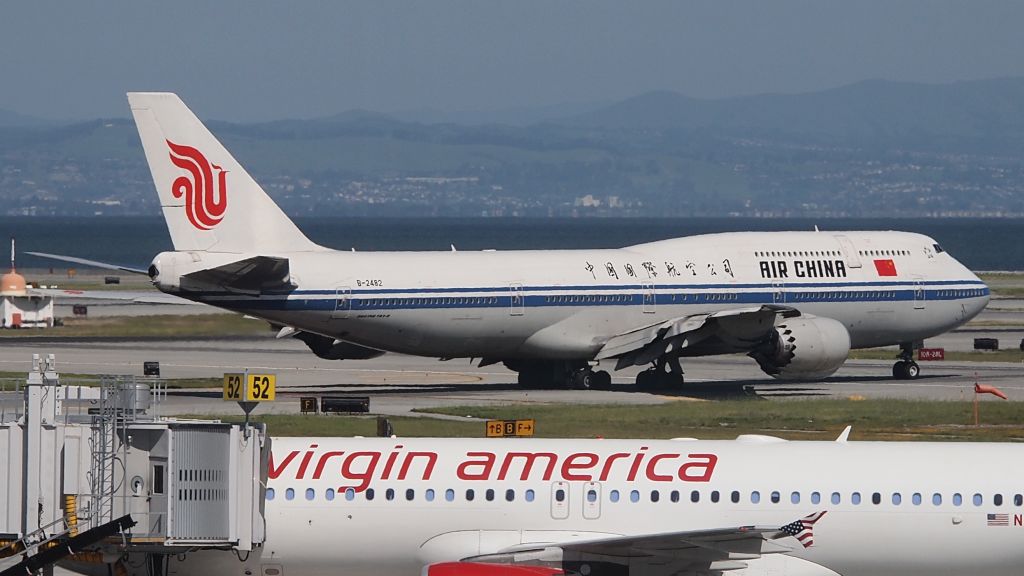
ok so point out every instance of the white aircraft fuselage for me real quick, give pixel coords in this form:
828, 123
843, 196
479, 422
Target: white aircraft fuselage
391, 507
564, 304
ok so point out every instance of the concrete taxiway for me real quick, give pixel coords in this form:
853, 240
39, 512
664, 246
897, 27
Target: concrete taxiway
398, 384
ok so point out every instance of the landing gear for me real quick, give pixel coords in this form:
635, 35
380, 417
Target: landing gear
665, 374
906, 368
538, 375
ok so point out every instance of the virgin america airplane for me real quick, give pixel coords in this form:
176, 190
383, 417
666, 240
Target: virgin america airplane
795, 302
754, 506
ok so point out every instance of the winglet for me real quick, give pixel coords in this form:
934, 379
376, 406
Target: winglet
844, 435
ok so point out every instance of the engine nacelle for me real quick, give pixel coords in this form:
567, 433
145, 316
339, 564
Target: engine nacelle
804, 348
167, 268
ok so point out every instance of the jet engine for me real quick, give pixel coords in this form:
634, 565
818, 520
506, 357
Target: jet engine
804, 348
331, 349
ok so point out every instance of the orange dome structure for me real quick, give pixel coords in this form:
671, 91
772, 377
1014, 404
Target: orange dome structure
13, 284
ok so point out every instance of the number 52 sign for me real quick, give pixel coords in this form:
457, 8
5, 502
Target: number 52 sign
245, 387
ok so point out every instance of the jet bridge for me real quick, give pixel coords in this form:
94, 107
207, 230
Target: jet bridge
90, 474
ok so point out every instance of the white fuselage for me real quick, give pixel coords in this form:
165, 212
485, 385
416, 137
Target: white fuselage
884, 287
389, 507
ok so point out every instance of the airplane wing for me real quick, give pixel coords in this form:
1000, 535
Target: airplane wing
724, 331
255, 274
687, 552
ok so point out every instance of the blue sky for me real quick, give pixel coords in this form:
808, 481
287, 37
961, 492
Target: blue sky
260, 59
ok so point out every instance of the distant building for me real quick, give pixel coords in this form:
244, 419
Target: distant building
18, 308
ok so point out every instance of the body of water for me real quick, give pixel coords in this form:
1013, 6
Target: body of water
981, 244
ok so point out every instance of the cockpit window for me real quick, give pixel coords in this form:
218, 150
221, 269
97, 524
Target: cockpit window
938, 249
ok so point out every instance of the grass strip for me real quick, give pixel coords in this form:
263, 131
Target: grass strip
814, 419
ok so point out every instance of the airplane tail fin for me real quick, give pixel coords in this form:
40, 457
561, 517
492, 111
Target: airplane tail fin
209, 201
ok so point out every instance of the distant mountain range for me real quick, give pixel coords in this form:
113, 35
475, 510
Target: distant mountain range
875, 148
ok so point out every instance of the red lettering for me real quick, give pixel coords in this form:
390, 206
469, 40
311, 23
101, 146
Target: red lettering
391, 462
1018, 519
636, 465
568, 466
366, 474
689, 472
529, 458
274, 472
485, 466
607, 469
427, 471
305, 462
652, 475
323, 462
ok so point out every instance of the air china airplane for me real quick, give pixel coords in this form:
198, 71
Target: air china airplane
753, 506
796, 302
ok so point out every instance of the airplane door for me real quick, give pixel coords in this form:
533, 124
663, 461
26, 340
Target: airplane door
919, 295
559, 500
779, 292
516, 305
649, 297
342, 302
852, 259
592, 500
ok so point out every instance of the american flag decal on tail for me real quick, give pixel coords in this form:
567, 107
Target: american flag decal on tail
803, 529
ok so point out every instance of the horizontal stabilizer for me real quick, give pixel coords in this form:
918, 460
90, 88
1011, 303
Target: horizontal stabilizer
256, 274
92, 263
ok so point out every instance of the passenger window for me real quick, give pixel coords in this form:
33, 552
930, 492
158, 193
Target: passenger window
560, 495
389, 494
876, 498
470, 494
410, 494
655, 496
510, 495
735, 496
350, 494
836, 498
936, 499
977, 499
489, 495
1018, 499
855, 498
429, 494
695, 496
794, 497
957, 499
613, 496
997, 499
529, 495
815, 498
370, 493
714, 495
270, 494
674, 496
896, 498
634, 496
775, 497
916, 499
310, 494
289, 494
755, 497
449, 495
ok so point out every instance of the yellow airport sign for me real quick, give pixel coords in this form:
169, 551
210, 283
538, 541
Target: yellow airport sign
510, 428
245, 387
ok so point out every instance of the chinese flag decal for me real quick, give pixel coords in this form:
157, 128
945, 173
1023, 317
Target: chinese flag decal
885, 267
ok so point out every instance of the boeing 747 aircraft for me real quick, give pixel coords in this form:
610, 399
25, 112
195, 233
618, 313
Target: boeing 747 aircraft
795, 302
756, 506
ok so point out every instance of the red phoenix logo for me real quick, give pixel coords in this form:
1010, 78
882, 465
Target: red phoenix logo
206, 200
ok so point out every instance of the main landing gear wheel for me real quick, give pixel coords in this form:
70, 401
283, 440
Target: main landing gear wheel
906, 370
602, 380
654, 379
